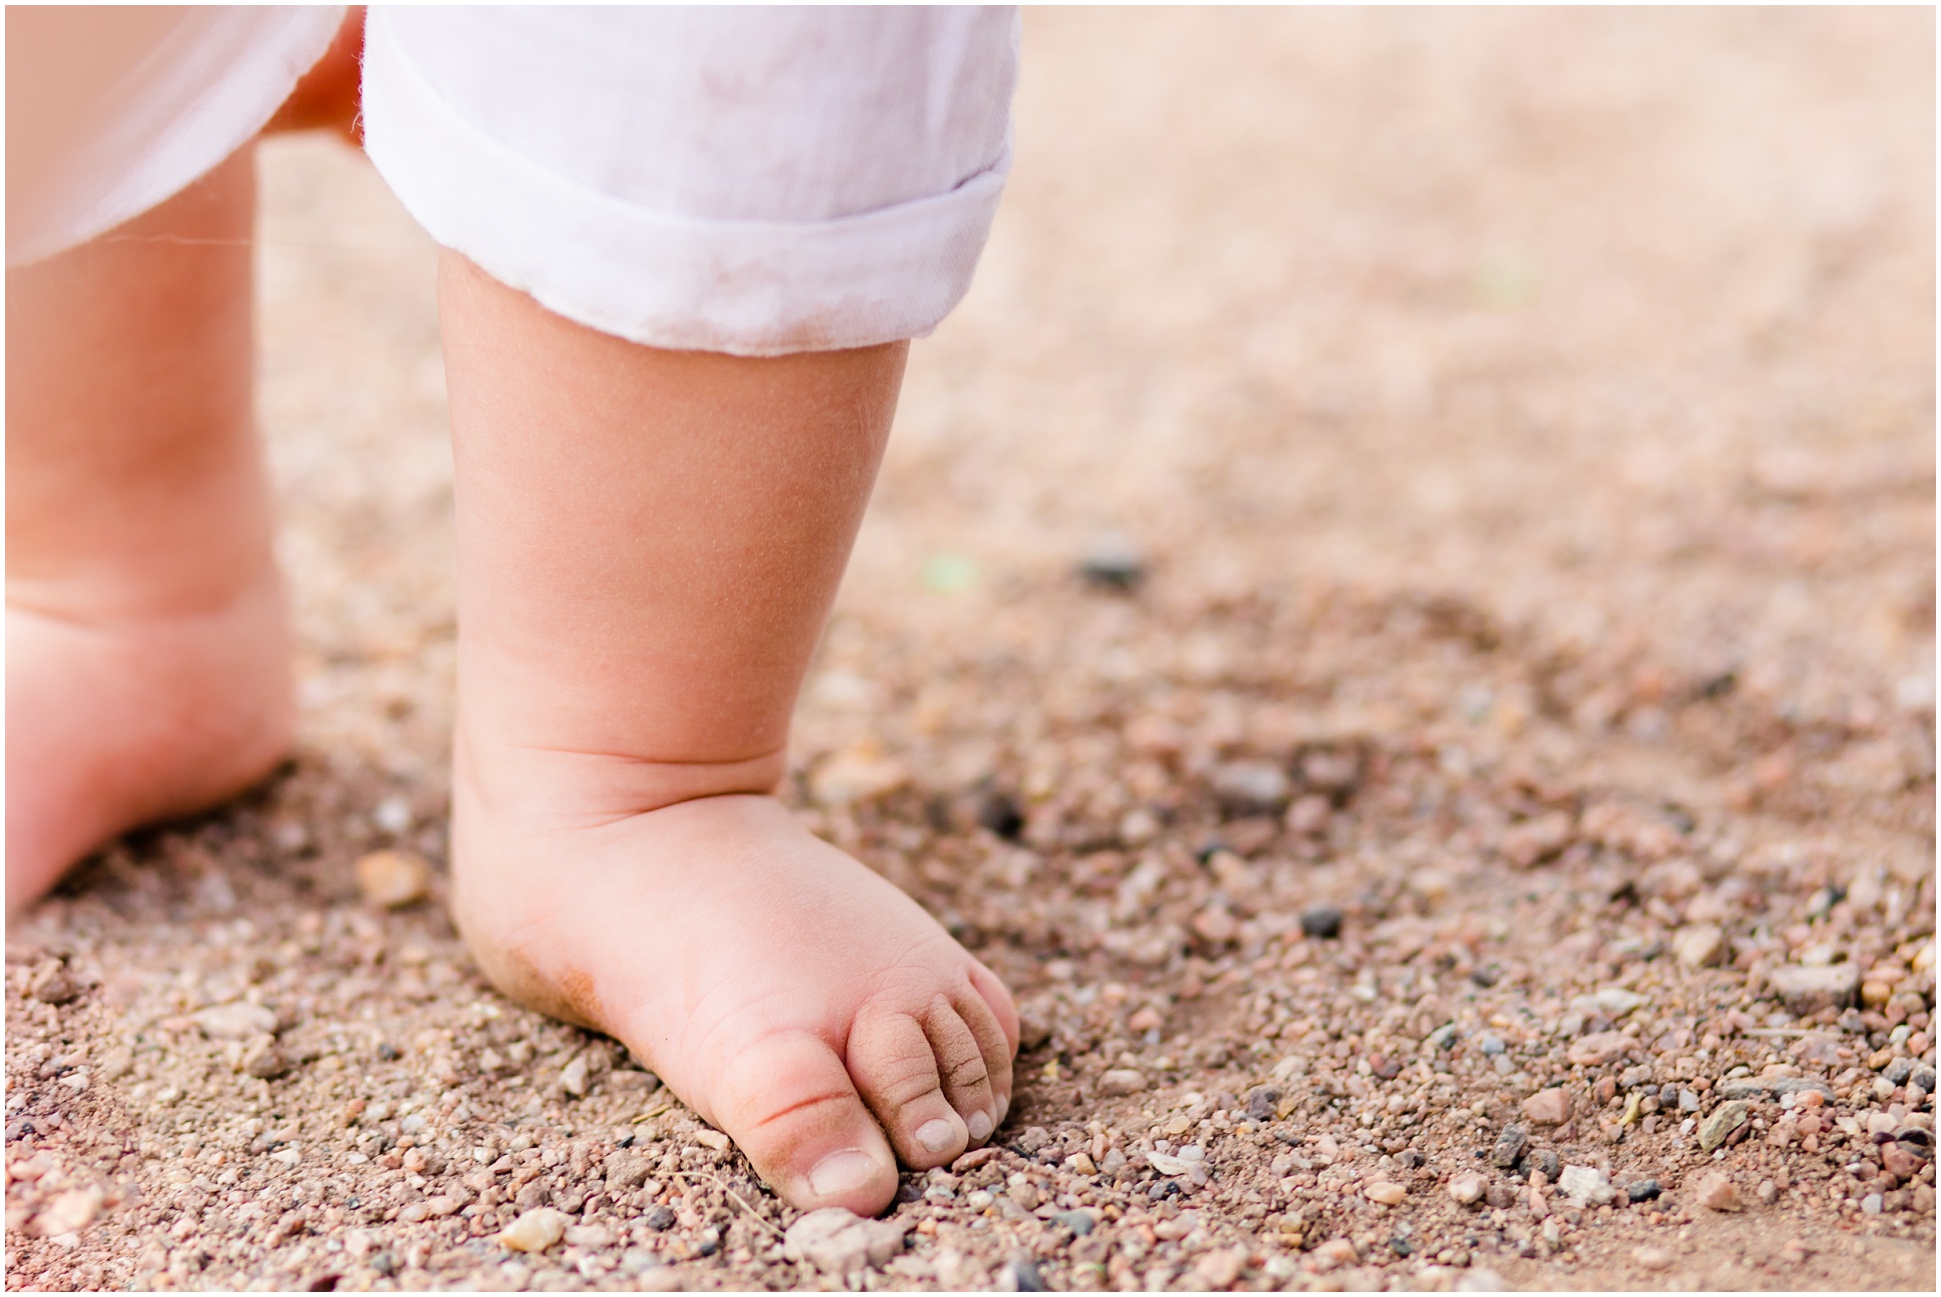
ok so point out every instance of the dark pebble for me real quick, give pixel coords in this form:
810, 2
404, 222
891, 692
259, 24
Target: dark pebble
998, 813
909, 1191
388, 1052
1644, 1190
1400, 1246
1024, 1277
1262, 1104
384, 1263
1322, 921
1078, 1222
1899, 1070
1113, 563
1509, 1147
1923, 1077
1164, 1189
1546, 1161
1484, 976
1411, 1159
1386, 1069
659, 1218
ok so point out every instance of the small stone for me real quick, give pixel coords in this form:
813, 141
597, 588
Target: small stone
69, 1213
1079, 1223
1544, 1161
1548, 1107
1698, 945
1872, 1204
1768, 1192
840, 1243
263, 1060
1585, 1186
1386, 1192
572, 1077
1643, 1190
626, 1169
1688, 1101
1120, 1081
1250, 787
659, 1218
1020, 1274
1717, 1193
1509, 1147
534, 1231
856, 774
714, 1139
1809, 988
1321, 921
589, 1236
1652, 1258
1216, 924
1263, 1104
1898, 1070
1724, 1119
1468, 1189
1898, 1162
1218, 1270
1599, 1048
1113, 562
392, 880
1335, 1252
239, 1021
52, 983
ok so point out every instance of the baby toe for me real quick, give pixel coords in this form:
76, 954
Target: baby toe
789, 1103
894, 1065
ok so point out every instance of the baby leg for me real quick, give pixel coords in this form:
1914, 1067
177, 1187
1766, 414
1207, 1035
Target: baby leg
147, 656
649, 542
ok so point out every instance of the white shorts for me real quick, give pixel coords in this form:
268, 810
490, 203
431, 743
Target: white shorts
754, 181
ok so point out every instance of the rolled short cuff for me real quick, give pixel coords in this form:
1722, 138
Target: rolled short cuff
748, 288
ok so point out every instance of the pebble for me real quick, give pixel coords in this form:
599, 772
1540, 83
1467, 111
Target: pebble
1807, 988
1872, 1204
1716, 1192
840, 1243
1021, 1275
52, 983
1121, 1081
70, 1212
1545, 1162
572, 1077
1113, 562
1724, 1119
660, 1218
534, 1231
1079, 1223
1585, 1186
1599, 1048
1263, 1104
239, 1021
1643, 1190
1652, 1258
1386, 1192
1250, 787
391, 880
263, 1060
1219, 1269
1548, 1107
1322, 921
1468, 1189
1698, 945
1509, 1147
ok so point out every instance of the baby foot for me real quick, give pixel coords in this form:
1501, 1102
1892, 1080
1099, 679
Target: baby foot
784, 991
121, 721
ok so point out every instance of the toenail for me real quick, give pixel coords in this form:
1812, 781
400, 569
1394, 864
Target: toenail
841, 1173
936, 1135
981, 1125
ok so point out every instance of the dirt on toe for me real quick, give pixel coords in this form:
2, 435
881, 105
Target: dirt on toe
1399, 618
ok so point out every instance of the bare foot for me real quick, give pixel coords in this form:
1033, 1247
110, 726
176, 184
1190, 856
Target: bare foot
118, 722
784, 991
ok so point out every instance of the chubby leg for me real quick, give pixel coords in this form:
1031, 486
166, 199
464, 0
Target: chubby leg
147, 656
649, 542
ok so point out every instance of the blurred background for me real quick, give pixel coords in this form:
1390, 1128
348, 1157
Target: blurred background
1616, 326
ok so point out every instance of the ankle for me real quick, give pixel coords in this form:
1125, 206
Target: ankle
547, 786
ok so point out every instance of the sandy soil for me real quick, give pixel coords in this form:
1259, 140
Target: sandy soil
1514, 765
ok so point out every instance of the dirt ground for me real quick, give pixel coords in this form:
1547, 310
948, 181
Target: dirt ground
1399, 618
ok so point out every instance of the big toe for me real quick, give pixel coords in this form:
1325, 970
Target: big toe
788, 1102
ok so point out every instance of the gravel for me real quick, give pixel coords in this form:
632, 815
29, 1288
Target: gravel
1572, 620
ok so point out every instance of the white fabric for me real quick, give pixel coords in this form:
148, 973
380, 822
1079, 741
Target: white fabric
755, 181
213, 80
